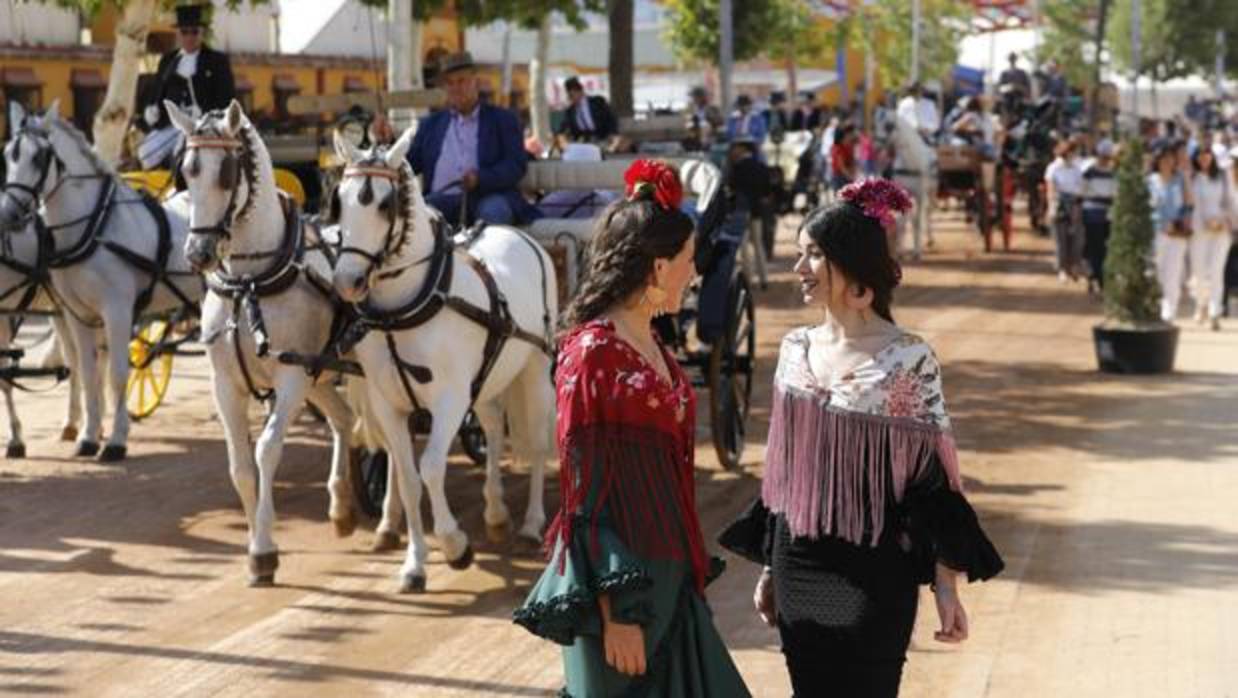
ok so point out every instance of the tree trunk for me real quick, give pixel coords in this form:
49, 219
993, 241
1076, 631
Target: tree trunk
539, 108
400, 62
1094, 98
622, 29
112, 119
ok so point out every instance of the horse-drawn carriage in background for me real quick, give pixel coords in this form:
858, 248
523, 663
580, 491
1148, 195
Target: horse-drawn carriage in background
964, 173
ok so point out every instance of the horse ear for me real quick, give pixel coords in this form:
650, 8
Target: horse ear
234, 117
345, 149
399, 151
182, 121
53, 112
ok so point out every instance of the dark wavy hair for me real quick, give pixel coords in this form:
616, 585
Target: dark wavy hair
630, 236
856, 243
1214, 168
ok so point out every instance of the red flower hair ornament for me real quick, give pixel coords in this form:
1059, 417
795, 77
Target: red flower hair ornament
877, 198
656, 176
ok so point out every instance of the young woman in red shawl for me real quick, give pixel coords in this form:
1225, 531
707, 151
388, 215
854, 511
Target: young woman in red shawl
624, 589
862, 500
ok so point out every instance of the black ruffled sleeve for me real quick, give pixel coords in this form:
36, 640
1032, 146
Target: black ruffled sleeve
751, 535
944, 528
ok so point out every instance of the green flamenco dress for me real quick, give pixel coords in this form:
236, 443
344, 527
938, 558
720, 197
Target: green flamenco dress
627, 529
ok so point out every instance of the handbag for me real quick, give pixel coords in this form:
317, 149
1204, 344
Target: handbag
1180, 227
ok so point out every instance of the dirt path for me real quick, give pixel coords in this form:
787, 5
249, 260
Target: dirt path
1110, 499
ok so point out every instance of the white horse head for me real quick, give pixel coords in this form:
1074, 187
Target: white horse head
222, 168
31, 161
380, 211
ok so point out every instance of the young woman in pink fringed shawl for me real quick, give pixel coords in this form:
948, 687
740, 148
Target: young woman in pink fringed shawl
862, 500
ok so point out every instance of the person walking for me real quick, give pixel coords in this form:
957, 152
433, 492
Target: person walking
1172, 221
862, 499
1099, 191
624, 588
1210, 242
1063, 189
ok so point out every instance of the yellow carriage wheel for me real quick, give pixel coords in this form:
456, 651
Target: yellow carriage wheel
148, 377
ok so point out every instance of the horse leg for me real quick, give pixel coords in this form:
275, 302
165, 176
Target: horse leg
68, 353
534, 442
339, 485
498, 519
87, 370
447, 417
399, 444
291, 384
118, 325
16, 448
388, 531
232, 404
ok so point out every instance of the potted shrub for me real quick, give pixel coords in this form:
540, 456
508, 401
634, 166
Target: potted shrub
1133, 338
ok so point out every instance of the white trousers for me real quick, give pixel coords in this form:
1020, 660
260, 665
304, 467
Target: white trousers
1208, 253
1170, 267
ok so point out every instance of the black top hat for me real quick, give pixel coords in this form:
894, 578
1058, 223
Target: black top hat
457, 61
191, 15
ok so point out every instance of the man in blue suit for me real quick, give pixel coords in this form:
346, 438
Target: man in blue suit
471, 148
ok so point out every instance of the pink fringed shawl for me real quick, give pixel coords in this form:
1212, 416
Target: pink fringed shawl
839, 456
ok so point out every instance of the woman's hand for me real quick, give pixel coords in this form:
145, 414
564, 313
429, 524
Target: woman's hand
624, 642
763, 598
949, 607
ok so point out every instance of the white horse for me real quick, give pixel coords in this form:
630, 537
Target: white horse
424, 355
269, 273
116, 257
915, 169
22, 291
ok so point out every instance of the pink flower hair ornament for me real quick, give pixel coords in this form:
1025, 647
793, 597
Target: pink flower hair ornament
877, 198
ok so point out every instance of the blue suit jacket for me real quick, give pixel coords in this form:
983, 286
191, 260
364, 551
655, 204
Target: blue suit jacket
501, 158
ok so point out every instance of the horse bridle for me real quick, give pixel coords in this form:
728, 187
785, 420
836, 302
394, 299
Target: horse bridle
222, 228
391, 241
46, 156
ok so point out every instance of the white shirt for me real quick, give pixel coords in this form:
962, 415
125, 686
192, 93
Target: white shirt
1066, 176
908, 111
188, 65
1211, 202
927, 118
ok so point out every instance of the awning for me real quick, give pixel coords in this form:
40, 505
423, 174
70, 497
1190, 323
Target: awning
355, 84
87, 79
19, 77
285, 83
242, 83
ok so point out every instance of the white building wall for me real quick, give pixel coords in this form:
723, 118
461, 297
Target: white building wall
38, 24
249, 29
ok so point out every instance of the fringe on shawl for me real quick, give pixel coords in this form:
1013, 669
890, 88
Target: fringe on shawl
831, 472
642, 485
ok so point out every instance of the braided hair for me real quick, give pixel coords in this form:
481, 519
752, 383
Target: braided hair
631, 234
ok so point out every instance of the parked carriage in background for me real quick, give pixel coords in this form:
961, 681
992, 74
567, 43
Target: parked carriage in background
966, 174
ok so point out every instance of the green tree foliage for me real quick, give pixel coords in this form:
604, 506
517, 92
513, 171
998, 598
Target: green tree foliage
1068, 38
1178, 37
883, 27
1132, 295
694, 34
795, 34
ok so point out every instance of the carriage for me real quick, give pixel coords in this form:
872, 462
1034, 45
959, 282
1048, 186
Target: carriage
966, 174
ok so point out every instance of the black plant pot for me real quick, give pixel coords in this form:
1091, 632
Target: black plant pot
1136, 351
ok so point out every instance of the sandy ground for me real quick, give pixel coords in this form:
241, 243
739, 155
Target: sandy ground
1111, 499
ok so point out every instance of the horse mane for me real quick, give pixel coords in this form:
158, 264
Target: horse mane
405, 183
87, 150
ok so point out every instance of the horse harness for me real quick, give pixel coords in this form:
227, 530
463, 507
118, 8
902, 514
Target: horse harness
433, 297
96, 222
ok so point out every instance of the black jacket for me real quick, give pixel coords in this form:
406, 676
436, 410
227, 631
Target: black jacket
212, 84
604, 123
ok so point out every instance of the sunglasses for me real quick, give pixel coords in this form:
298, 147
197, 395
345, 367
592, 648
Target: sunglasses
190, 31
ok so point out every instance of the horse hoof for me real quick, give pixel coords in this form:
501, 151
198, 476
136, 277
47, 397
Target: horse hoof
15, 451
87, 449
261, 581
413, 584
499, 533
464, 561
113, 452
262, 569
68, 434
385, 542
345, 526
